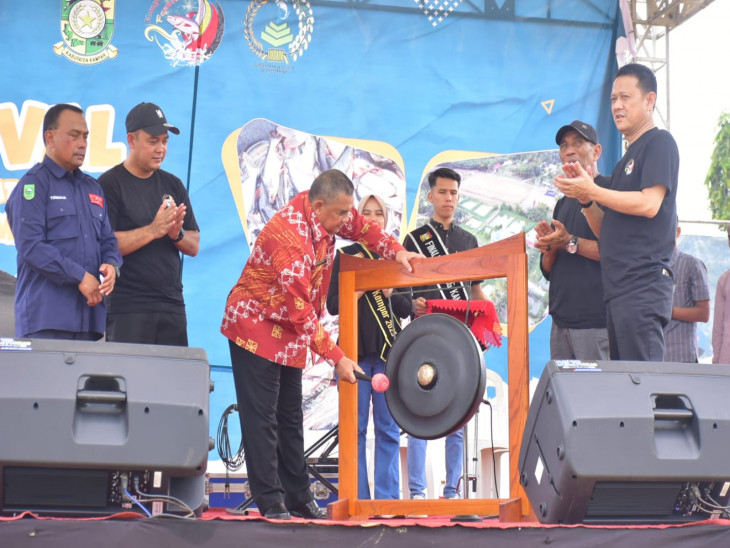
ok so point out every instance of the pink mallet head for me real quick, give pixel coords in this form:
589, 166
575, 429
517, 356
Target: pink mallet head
380, 382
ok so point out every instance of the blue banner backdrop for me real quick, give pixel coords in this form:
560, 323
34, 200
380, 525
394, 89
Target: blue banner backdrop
419, 79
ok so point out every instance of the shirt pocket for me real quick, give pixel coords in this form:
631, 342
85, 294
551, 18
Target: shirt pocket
96, 213
61, 220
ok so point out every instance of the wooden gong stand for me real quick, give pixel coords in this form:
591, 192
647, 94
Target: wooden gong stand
504, 259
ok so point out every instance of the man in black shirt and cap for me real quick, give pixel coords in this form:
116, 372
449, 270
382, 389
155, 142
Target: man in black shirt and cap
153, 220
570, 260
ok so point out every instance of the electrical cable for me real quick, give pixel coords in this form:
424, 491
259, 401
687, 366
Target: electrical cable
711, 506
137, 502
169, 499
232, 462
223, 444
719, 506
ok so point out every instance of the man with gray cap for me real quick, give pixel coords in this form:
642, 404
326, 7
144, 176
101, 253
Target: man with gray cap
153, 220
570, 260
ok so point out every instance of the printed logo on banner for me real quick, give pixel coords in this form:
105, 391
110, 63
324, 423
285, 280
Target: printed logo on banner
437, 10
188, 32
87, 27
268, 31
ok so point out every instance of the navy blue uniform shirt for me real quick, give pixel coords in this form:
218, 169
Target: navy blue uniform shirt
61, 231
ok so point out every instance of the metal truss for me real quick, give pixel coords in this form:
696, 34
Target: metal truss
653, 20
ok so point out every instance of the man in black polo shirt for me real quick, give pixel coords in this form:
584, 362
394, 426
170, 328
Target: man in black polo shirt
440, 236
150, 212
570, 260
636, 220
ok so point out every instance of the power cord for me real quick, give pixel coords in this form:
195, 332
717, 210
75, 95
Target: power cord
131, 497
223, 444
170, 500
708, 504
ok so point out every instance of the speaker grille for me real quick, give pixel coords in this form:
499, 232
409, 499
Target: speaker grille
633, 499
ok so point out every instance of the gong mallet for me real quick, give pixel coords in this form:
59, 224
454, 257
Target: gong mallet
379, 381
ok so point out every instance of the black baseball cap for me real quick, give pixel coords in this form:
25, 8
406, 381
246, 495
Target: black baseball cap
586, 130
150, 118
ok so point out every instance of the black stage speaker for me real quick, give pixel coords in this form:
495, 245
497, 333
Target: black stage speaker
83, 422
627, 442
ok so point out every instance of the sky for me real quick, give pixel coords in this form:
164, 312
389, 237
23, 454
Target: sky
699, 89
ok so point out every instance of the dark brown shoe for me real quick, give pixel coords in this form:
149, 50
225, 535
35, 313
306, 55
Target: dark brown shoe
277, 511
309, 511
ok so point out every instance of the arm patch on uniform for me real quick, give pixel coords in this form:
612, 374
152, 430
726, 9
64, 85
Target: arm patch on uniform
29, 191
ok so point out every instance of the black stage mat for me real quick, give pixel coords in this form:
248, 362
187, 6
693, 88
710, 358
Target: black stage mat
173, 533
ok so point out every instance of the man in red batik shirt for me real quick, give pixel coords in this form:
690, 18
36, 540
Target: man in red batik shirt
272, 318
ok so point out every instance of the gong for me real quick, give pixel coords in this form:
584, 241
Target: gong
437, 376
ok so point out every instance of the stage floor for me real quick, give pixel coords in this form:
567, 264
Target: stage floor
217, 528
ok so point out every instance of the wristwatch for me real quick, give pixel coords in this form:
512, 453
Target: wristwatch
180, 236
572, 246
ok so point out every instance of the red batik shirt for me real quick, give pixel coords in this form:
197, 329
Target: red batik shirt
274, 309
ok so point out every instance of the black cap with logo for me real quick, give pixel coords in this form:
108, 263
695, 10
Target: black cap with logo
150, 118
586, 130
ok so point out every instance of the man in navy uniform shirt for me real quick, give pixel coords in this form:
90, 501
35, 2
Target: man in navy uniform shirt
68, 258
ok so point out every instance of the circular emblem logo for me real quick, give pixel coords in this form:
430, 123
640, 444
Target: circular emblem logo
86, 19
272, 23
187, 33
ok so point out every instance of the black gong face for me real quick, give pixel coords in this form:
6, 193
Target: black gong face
431, 410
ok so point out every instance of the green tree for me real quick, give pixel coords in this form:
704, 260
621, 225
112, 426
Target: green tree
718, 176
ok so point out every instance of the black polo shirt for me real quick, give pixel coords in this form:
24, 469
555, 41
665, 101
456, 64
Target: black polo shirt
576, 287
150, 280
634, 249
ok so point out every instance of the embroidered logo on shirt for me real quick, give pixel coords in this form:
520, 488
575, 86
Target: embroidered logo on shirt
96, 199
28, 192
277, 332
629, 167
426, 236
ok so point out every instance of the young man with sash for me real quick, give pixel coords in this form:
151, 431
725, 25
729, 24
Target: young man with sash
440, 236
378, 324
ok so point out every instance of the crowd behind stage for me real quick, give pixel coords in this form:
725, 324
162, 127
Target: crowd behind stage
102, 260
